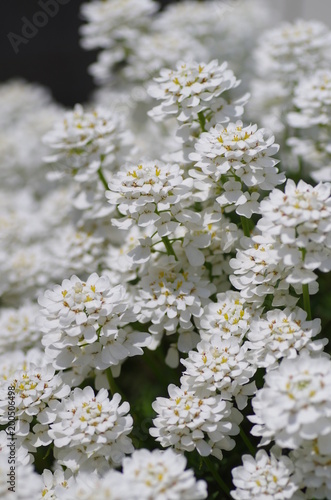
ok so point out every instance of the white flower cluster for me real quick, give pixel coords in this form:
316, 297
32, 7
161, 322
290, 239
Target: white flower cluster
265, 477
86, 320
90, 430
294, 404
192, 89
282, 334
84, 141
294, 242
146, 475
187, 422
233, 161
181, 262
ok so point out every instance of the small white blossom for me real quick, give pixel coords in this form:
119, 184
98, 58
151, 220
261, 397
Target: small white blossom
89, 428
264, 477
232, 153
141, 191
18, 329
86, 140
312, 462
161, 475
294, 49
193, 88
35, 387
171, 297
77, 313
301, 219
229, 317
294, 405
282, 334
220, 366
187, 422
111, 22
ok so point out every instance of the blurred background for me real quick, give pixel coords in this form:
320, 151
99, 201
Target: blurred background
55, 59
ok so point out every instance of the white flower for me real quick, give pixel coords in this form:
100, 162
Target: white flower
258, 272
77, 313
113, 21
264, 478
161, 49
312, 97
34, 388
171, 297
78, 249
161, 475
282, 334
301, 219
237, 151
59, 481
229, 317
187, 421
294, 405
18, 329
193, 88
86, 140
220, 366
141, 191
89, 428
88, 485
312, 462
294, 49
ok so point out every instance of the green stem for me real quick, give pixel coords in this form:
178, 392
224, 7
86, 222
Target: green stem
247, 442
103, 179
202, 121
245, 226
168, 245
112, 384
306, 301
216, 476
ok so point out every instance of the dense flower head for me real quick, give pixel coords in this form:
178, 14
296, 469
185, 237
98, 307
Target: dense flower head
294, 405
301, 219
90, 312
312, 463
192, 88
161, 475
57, 482
34, 388
312, 98
84, 140
264, 477
140, 191
161, 49
113, 21
18, 329
187, 421
237, 150
233, 159
282, 334
171, 297
229, 317
257, 272
293, 49
220, 366
89, 427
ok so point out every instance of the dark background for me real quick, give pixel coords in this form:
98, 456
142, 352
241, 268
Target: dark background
53, 57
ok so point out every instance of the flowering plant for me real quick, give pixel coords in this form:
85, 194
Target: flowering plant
165, 262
